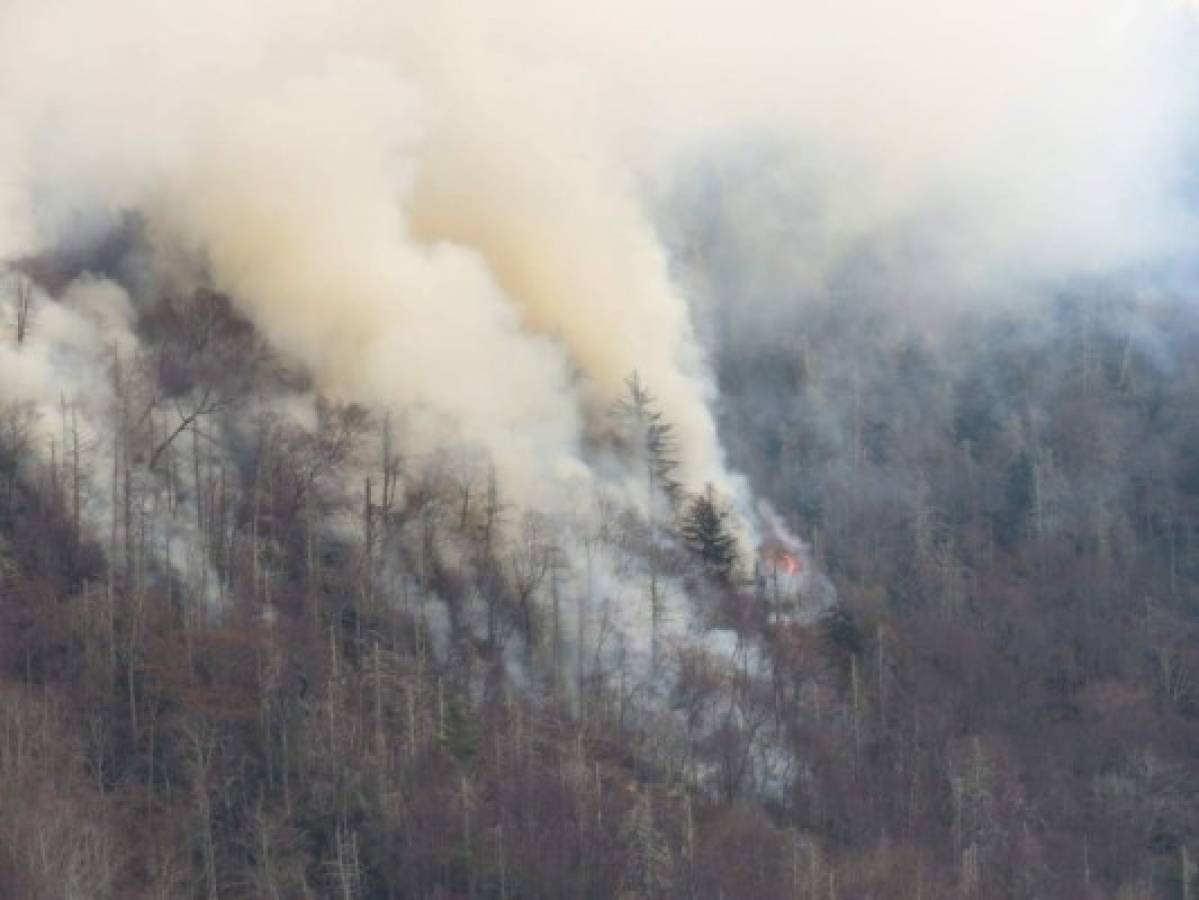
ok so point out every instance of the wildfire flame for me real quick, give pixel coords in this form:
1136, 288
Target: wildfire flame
781, 561
780, 551
787, 563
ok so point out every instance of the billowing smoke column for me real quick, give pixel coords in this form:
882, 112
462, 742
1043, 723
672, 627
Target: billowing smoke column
421, 233
448, 208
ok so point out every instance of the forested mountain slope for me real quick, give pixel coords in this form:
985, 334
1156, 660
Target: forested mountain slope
642, 449
270, 657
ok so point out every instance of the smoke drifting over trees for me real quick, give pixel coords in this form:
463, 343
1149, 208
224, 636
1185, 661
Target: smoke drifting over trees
404, 198
408, 413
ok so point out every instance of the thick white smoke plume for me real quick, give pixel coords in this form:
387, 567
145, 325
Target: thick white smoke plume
448, 208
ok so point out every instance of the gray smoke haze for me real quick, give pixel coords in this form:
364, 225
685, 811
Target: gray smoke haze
451, 208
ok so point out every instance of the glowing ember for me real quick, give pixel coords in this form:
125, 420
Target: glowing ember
788, 563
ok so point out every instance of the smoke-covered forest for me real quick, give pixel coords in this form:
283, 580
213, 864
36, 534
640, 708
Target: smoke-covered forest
653, 451
297, 663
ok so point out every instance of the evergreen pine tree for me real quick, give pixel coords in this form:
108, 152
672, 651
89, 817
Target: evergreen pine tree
706, 533
648, 434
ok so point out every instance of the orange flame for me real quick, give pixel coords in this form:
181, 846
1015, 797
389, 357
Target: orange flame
788, 563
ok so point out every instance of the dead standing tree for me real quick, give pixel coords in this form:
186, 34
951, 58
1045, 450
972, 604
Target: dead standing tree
531, 560
23, 305
651, 441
